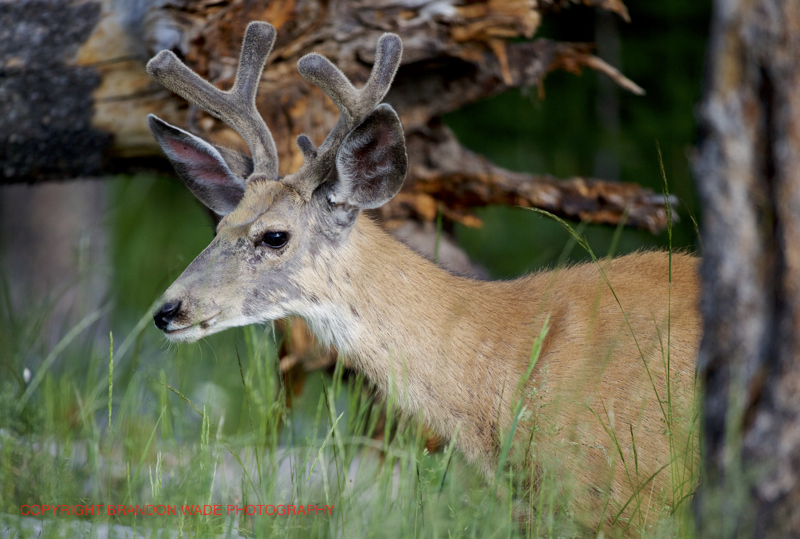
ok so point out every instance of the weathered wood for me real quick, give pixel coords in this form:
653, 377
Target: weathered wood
446, 175
75, 94
46, 104
750, 357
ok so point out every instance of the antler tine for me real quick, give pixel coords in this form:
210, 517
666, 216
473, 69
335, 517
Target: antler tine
236, 107
354, 106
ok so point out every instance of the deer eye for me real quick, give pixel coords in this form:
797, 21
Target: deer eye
274, 240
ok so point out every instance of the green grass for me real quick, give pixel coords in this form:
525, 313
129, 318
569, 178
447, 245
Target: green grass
160, 447
57, 450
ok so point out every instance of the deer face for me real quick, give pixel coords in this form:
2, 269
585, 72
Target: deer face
274, 229
248, 272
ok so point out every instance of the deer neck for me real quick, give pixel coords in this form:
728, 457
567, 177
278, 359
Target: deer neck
389, 311
428, 338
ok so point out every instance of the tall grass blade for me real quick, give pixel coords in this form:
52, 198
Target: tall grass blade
65, 341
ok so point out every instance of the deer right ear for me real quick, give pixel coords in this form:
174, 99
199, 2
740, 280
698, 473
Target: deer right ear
372, 161
200, 165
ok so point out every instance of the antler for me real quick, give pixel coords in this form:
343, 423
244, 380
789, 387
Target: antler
354, 106
236, 107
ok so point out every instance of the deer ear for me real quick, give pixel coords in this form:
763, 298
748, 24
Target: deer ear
371, 163
200, 165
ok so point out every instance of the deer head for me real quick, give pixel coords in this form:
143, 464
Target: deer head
273, 229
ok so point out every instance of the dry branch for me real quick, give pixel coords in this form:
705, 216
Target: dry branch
445, 174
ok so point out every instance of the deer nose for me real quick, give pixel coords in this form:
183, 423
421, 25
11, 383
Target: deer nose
164, 315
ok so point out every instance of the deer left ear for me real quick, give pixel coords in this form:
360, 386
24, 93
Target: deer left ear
371, 163
201, 166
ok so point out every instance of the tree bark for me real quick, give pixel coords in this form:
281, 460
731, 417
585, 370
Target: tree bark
74, 94
747, 170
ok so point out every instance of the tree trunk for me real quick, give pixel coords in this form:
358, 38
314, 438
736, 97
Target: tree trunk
747, 170
74, 94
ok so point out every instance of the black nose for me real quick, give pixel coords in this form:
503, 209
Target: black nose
165, 314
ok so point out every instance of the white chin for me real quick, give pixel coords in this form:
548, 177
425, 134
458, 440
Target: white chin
197, 331
190, 334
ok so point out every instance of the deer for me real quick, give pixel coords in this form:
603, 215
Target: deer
616, 340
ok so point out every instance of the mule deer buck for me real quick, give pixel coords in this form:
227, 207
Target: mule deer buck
615, 368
